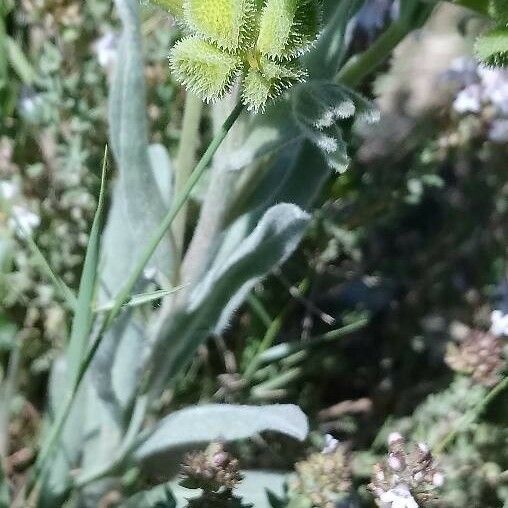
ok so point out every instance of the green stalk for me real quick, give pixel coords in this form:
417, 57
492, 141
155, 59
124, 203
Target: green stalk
359, 66
185, 162
363, 64
125, 293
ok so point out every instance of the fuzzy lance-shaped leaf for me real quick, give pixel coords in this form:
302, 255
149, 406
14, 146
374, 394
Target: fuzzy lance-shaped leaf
136, 209
492, 47
225, 285
226, 23
203, 68
288, 27
57, 481
194, 426
129, 140
163, 171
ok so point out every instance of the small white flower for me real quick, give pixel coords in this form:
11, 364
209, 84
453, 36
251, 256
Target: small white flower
438, 479
395, 437
23, 220
7, 189
469, 100
499, 323
398, 497
106, 49
498, 132
331, 444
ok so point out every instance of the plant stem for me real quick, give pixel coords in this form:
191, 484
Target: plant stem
272, 332
359, 66
363, 64
125, 293
471, 416
185, 162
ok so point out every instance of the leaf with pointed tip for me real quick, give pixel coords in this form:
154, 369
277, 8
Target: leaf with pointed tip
222, 290
193, 426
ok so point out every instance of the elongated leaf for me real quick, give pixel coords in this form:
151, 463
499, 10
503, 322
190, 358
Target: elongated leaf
210, 305
137, 208
83, 317
46, 270
143, 203
193, 426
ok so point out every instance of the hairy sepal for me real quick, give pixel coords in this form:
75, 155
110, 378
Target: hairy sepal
288, 28
203, 68
492, 48
227, 23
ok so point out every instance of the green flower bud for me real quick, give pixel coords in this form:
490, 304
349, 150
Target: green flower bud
203, 68
262, 38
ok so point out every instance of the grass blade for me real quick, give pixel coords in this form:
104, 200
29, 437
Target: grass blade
83, 317
44, 266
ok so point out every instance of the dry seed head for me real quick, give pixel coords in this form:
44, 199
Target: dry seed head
480, 355
323, 478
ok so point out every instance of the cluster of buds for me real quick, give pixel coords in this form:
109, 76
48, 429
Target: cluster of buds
405, 479
480, 355
259, 40
324, 478
213, 470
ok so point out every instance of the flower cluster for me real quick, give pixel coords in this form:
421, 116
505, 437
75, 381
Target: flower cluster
405, 480
483, 92
211, 470
480, 355
226, 38
324, 478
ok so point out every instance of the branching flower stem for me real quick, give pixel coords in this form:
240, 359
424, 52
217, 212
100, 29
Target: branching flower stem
125, 293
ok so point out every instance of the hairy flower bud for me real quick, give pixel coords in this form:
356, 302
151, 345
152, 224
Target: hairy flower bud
262, 39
